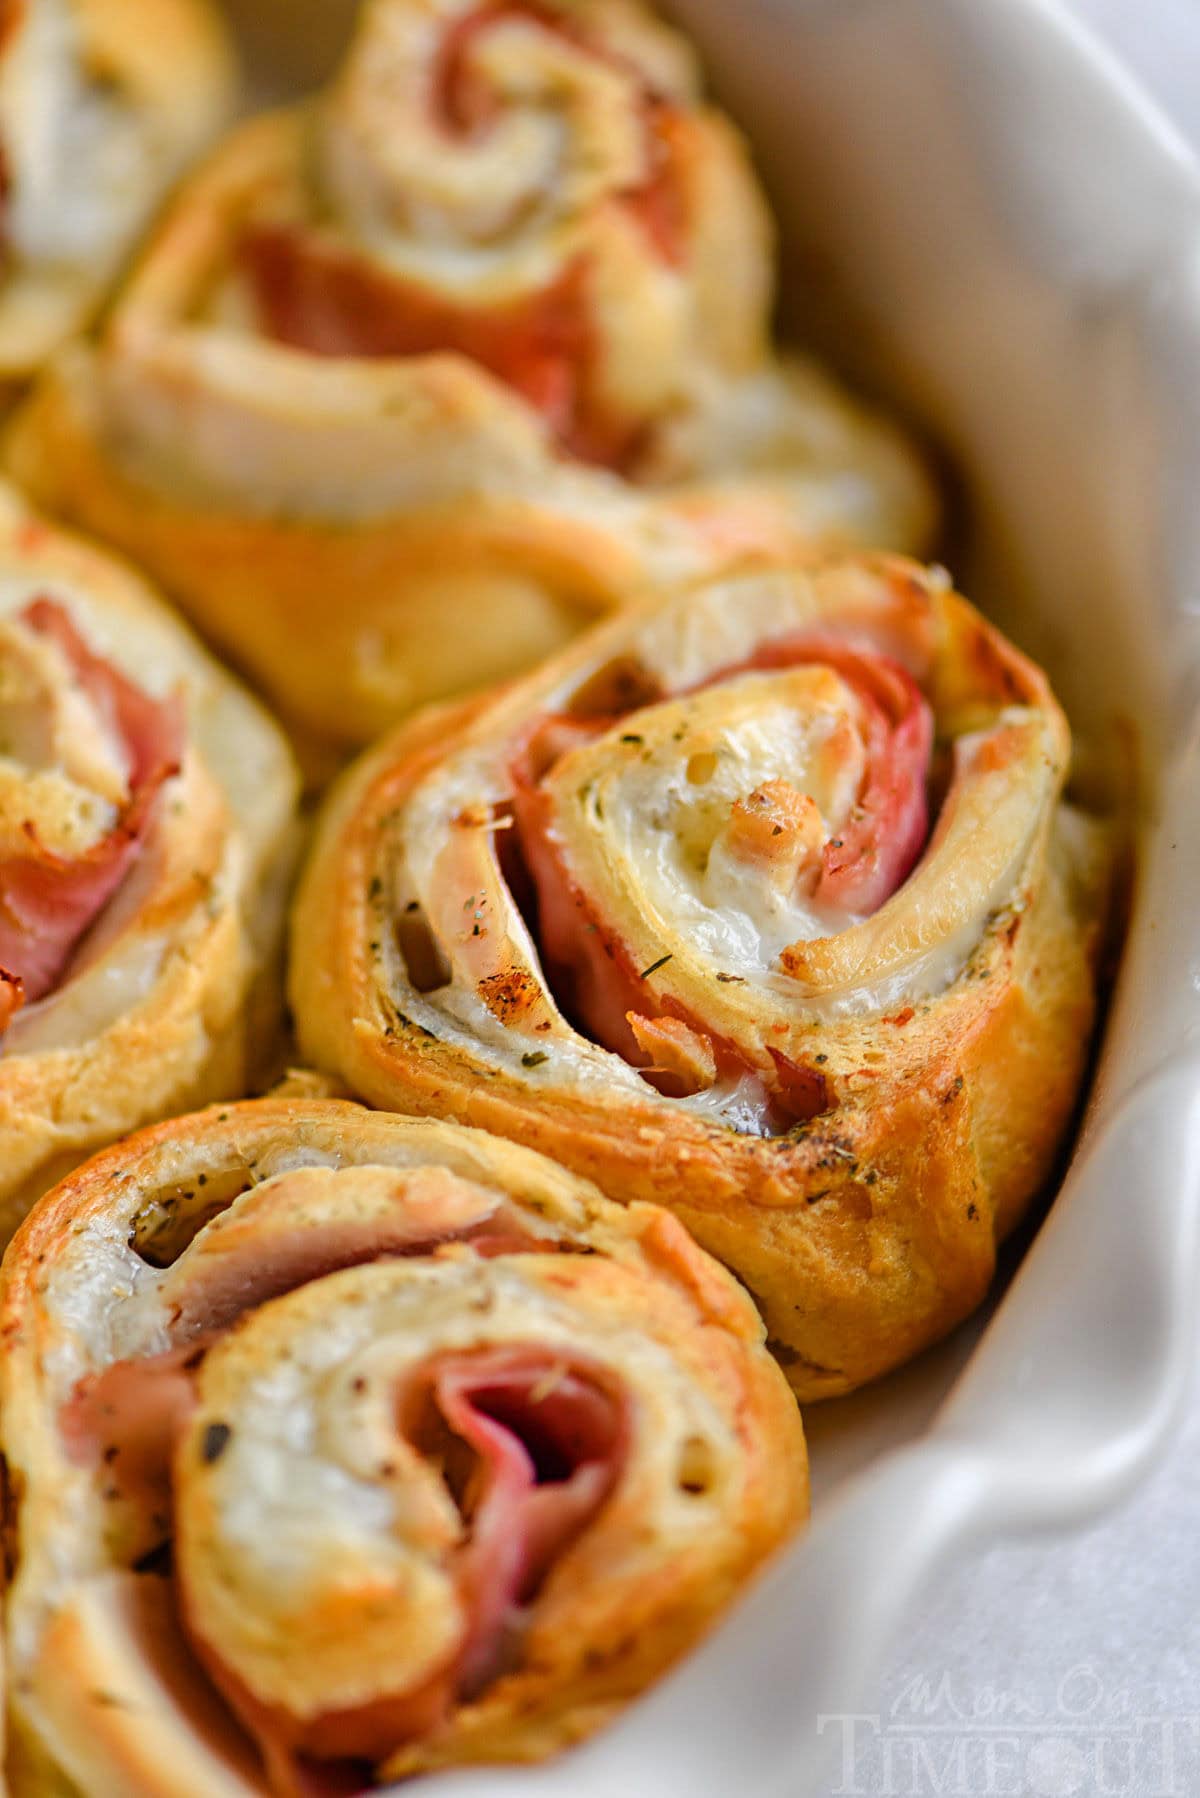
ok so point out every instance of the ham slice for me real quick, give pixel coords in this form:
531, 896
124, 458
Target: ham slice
47, 902
279, 1242
549, 1442
875, 853
128, 1419
545, 1443
128, 1415
860, 868
316, 294
538, 1440
464, 105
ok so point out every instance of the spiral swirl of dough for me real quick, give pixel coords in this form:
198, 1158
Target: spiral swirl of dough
449, 1455
146, 833
763, 902
479, 341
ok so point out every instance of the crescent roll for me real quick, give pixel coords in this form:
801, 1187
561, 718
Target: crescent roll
344, 1447
417, 380
146, 833
761, 903
102, 104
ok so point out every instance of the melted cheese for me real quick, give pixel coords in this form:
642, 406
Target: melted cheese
667, 810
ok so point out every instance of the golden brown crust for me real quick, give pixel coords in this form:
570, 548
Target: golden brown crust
868, 1229
176, 1000
377, 615
104, 1692
365, 532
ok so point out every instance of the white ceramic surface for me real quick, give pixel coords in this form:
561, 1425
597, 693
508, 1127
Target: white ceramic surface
983, 220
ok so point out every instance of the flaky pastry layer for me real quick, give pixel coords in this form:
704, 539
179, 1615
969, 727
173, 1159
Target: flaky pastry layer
761, 903
162, 987
447, 1456
415, 382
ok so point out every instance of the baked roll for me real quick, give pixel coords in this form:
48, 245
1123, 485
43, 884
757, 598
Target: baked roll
347, 1446
102, 103
146, 832
761, 903
416, 381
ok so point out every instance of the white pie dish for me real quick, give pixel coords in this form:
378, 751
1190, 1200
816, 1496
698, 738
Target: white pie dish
986, 221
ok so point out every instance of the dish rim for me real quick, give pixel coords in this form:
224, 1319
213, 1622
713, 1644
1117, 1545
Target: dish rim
1011, 1452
